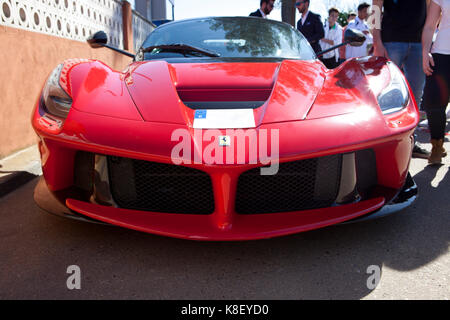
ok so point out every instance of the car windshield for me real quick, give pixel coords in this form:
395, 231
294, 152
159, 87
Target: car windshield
227, 37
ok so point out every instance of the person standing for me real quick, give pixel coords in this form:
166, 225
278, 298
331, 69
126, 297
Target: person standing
359, 23
333, 37
400, 41
265, 7
310, 25
436, 66
351, 16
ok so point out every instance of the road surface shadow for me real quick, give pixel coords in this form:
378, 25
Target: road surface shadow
331, 263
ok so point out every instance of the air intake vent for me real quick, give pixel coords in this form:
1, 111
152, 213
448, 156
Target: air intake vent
160, 187
224, 104
298, 185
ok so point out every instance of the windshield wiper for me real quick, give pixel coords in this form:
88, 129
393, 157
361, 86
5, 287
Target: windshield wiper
182, 47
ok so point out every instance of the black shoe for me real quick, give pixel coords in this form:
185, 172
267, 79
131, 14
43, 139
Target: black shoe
419, 152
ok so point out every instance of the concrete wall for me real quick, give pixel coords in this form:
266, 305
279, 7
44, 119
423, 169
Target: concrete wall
144, 8
155, 9
26, 59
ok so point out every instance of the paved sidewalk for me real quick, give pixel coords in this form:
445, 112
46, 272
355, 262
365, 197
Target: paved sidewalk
19, 168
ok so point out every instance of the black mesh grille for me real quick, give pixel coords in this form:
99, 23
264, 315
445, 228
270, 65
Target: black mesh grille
160, 187
298, 185
366, 170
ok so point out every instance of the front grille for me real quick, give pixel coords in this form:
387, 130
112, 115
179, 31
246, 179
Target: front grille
160, 187
366, 171
83, 171
298, 185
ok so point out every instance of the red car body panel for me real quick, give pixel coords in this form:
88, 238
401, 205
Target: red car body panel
318, 112
218, 228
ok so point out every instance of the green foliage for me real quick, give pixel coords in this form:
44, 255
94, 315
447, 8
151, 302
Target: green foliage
342, 20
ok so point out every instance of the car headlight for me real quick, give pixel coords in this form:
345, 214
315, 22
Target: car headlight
395, 96
56, 101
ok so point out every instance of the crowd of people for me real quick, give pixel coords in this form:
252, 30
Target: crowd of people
414, 34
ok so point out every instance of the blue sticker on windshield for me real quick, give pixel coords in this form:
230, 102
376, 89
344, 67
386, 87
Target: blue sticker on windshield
200, 114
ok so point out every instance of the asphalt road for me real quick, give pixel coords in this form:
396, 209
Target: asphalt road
411, 249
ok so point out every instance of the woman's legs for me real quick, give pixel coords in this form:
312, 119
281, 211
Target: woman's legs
435, 100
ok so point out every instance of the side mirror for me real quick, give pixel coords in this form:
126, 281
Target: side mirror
354, 37
98, 39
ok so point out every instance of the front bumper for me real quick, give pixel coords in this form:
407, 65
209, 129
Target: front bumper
406, 196
244, 227
149, 142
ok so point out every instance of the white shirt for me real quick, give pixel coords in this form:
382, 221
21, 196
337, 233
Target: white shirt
304, 16
263, 14
334, 34
442, 43
356, 52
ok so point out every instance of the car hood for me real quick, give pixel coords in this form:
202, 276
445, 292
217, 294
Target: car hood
276, 92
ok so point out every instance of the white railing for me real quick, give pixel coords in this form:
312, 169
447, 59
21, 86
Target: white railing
71, 19
141, 28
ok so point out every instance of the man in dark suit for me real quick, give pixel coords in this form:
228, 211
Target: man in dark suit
265, 7
310, 25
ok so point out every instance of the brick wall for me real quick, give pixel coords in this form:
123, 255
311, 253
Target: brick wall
26, 60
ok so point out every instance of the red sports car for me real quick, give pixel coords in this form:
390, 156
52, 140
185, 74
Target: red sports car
225, 128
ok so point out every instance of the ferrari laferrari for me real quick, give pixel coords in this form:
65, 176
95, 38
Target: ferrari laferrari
225, 128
